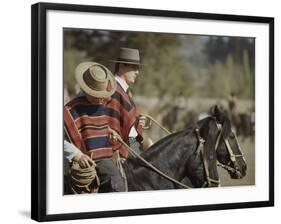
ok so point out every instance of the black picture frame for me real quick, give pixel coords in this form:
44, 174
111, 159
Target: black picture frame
39, 112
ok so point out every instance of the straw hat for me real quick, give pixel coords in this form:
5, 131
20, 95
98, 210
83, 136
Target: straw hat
95, 79
128, 56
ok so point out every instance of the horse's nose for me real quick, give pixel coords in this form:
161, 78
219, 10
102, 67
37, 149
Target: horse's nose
244, 169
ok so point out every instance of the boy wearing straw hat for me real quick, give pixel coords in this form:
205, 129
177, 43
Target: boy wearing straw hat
88, 117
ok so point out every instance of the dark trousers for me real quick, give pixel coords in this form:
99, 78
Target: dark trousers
110, 176
135, 145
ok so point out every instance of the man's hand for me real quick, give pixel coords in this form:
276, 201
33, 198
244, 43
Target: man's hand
114, 137
144, 122
84, 161
146, 143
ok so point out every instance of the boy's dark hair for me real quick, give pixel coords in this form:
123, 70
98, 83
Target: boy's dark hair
116, 69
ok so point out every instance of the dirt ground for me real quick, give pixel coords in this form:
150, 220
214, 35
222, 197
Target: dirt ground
248, 148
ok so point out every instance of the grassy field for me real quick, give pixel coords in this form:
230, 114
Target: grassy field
248, 148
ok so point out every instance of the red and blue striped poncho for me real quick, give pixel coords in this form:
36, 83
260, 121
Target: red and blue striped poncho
86, 124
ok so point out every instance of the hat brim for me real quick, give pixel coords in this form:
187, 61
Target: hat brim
126, 62
82, 68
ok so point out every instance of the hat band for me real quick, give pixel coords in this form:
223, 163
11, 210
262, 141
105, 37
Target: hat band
94, 84
128, 60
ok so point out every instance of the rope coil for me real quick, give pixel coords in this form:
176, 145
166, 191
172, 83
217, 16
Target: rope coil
84, 180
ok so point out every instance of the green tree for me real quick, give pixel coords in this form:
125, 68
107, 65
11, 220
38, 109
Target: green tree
164, 71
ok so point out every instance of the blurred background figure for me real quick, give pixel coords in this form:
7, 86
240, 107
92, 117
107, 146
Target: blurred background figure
232, 109
66, 96
232, 102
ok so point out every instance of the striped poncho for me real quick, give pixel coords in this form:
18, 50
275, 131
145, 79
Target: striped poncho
86, 124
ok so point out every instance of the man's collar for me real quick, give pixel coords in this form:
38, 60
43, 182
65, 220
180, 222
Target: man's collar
122, 83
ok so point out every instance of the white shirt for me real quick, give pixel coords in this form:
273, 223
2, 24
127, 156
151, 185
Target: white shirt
69, 151
133, 132
122, 83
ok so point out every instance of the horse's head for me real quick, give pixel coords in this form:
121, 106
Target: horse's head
228, 150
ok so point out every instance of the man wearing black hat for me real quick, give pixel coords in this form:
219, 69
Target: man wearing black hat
126, 73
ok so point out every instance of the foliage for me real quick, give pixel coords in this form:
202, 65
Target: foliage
72, 57
190, 65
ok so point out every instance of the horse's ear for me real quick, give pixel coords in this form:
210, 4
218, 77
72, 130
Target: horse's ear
218, 114
215, 111
221, 118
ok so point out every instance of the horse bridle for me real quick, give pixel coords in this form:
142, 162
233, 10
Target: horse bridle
200, 149
230, 152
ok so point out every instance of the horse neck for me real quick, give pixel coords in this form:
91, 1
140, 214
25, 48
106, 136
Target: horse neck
169, 155
174, 154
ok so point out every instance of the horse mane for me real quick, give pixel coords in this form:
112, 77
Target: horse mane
219, 116
224, 120
161, 144
155, 150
